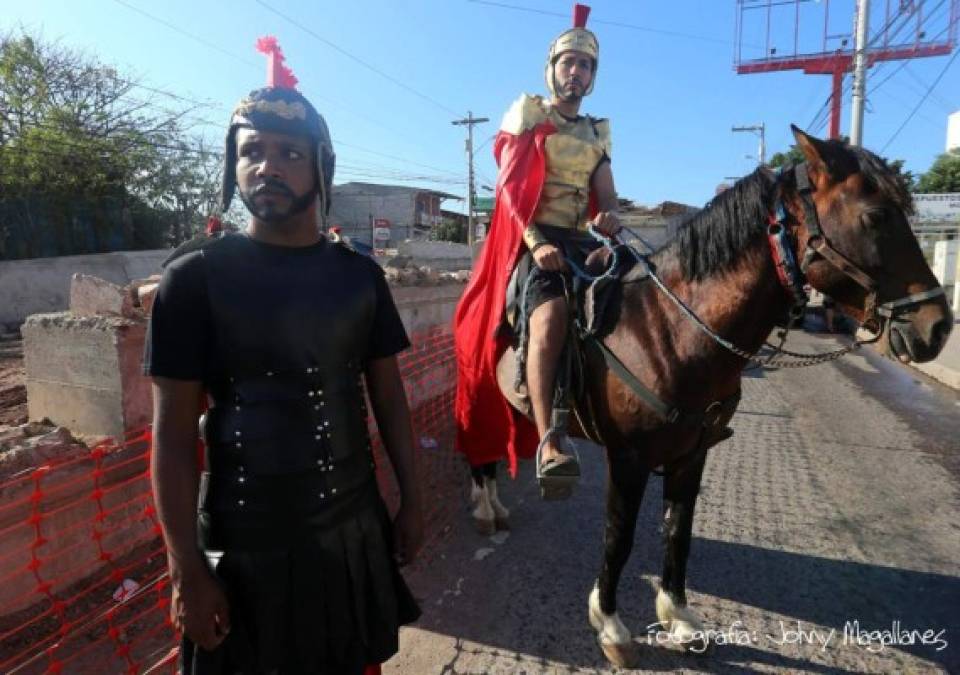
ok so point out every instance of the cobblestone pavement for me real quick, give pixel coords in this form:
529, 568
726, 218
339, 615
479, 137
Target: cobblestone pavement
833, 510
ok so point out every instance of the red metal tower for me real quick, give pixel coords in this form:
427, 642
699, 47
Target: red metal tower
910, 29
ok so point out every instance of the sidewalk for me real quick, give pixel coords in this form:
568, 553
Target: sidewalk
946, 367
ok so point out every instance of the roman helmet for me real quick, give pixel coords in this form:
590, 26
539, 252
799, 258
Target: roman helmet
282, 110
577, 38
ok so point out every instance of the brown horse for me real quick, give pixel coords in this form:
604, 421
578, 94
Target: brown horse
666, 390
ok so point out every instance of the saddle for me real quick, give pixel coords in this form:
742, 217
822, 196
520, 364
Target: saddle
594, 312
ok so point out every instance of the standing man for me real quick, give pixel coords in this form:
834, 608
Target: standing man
291, 566
554, 181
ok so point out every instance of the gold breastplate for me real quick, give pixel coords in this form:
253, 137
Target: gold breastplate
572, 155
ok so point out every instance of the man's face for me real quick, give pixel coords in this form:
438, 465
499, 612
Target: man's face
275, 173
572, 72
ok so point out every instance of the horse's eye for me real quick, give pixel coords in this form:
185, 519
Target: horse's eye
874, 217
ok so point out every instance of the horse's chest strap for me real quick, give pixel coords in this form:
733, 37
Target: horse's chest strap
709, 417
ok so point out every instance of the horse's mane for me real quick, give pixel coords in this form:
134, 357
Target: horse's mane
711, 239
881, 178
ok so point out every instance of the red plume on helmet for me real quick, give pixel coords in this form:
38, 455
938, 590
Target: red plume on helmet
580, 14
278, 73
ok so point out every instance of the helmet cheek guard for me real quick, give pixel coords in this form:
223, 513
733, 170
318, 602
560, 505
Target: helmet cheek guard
284, 111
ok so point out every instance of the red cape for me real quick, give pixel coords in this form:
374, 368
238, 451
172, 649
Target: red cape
488, 429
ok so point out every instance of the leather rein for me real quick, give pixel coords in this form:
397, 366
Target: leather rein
792, 275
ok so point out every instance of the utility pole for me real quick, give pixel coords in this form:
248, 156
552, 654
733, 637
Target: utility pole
761, 130
859, 72
468, 122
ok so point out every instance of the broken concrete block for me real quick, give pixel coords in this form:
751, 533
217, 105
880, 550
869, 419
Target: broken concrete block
92, 296
85, 372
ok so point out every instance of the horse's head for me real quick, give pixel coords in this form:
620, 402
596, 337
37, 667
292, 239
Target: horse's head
865, 255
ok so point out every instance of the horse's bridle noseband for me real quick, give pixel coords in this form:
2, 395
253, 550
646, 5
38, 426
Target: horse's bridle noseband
793, 276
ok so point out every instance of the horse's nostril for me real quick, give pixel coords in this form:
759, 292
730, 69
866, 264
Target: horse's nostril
940, 332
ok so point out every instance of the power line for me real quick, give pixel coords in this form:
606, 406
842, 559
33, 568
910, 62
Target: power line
234, 56
619, 24
195, 38
822, 115
372, 170
355, 59
399, 159
922, 99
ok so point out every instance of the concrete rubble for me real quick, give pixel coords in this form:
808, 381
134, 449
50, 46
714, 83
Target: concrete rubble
24, 447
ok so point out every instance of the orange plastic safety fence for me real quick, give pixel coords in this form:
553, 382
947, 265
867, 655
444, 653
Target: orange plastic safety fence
83, 581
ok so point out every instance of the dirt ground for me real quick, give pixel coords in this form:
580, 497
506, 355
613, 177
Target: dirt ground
13, 393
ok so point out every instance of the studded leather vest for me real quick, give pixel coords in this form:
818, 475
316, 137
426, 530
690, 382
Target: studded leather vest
286, 437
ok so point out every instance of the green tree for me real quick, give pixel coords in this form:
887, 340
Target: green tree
450, 229
87, 162
791, 156
944, 174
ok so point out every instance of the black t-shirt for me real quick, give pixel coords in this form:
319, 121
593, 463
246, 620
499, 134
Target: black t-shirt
182, 337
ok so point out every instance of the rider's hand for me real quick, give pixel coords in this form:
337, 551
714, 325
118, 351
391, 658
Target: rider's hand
607, 223
548, 257
198, 606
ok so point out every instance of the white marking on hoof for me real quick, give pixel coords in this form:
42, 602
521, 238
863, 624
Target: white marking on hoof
609, 627
682, 623
483, 514
614, 638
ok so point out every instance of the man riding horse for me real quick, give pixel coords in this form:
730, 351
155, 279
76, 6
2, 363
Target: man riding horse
555, 181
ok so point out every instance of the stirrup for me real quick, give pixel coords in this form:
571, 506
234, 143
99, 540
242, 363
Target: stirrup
554, 487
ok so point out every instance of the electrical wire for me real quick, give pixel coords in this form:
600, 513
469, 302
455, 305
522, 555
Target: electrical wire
820, 118
195, 38
619, 24
923, 98
357, 59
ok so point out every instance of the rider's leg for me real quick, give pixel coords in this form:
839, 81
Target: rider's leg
548, 331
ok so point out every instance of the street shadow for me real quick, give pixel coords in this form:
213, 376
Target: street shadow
833, 593
526, 597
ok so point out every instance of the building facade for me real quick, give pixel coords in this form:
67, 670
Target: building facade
382, 216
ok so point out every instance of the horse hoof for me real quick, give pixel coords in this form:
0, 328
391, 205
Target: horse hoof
501, 523
682, 624
485, 527
620, 655
614, 638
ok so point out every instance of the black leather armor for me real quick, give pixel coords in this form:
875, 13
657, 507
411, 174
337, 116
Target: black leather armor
287, 440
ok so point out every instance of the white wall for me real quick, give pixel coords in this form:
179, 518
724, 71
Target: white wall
953, 131
42, 285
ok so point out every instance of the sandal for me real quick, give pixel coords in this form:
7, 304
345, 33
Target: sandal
558, 475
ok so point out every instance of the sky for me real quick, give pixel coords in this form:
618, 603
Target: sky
391, 75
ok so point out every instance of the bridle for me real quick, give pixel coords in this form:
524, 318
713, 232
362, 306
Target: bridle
793, 276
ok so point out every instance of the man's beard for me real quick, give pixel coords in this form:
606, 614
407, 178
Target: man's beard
569, 93
271, 213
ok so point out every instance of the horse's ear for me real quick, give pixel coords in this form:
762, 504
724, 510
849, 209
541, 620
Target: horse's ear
822, 159
813, 149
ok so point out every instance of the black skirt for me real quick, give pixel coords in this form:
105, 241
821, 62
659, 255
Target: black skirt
332, 602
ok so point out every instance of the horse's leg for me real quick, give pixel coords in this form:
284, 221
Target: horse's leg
484, 516
501, 514
624, 494
680, 488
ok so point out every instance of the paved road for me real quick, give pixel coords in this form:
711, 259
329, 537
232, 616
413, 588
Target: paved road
835, 502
